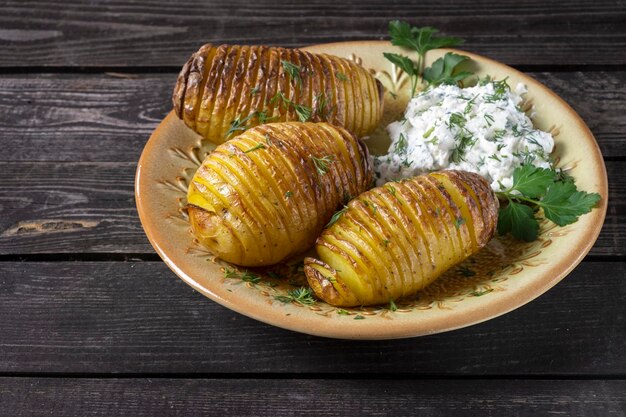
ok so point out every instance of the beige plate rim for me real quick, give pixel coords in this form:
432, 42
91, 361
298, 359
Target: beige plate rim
373, 330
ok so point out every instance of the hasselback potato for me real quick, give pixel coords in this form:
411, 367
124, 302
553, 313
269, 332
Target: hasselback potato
266, 194
223, 90
392, 241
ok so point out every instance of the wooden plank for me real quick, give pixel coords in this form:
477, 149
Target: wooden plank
163, 33
288, 397
51, 207
116, 317
81, 117
102, 117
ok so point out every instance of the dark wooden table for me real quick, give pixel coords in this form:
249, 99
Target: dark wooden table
92, 323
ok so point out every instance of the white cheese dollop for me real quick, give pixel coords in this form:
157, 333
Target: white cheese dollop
479, 129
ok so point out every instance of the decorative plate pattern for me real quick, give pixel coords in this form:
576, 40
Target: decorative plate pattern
503, 276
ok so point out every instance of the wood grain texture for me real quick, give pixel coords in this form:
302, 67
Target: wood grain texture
87, 397
158, 33
72, 207
112, 317
104, 117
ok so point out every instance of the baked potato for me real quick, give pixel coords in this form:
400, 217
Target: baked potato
266, 194
392, 241
225, 89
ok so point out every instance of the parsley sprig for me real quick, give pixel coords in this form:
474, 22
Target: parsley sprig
422, 40
534, 188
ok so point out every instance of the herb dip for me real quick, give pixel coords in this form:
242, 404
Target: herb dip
480, 129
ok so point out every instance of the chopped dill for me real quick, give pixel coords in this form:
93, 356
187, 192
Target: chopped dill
293, 70
254, 148
302, 295
336, 216
322, 165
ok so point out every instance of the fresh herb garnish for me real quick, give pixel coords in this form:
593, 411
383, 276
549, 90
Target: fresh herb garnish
242, 124
323, 106
293, 70
288, 194
246, 276
392, 305
420, 40
341, 76
302, 295
322, 164
445, 70
336, 216
254, 148
401, 145
304, 113
535, 188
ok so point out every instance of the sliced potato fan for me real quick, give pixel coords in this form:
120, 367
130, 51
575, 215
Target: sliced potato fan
393, 240
226, 89
267, 194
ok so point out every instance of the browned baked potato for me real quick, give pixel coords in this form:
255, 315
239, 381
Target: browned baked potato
392, 241
266, 194
225, 89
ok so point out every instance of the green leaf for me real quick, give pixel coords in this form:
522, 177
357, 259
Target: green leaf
563, 203
402, 62
519, 220
442, 71
420, 39
531, 181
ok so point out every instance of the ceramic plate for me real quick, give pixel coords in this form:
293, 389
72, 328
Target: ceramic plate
503, 276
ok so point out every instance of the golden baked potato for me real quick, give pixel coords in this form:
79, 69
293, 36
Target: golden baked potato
266, 194
226, 89
392, 241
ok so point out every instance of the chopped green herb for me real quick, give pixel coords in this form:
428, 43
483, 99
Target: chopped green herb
459, 221
254, 148
248, 276
242, 124
323, 164
293, 70
288, 194
230, 273
336, 216
428, 132
392, 305
480, 293
359, 317
343, 312
341, 76
401, 145
490, 120
302, 295
386, 242
255, 90
323, 107
304, 113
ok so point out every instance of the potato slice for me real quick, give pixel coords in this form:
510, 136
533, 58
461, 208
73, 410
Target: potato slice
410, 229
227, 86
266, 194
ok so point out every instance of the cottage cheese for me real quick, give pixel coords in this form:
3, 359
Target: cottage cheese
479, 129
